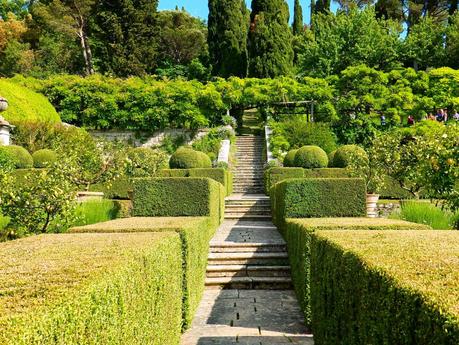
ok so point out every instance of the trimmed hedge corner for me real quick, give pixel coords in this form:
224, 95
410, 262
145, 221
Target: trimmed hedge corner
396, 287
118, 189
91, 289
176, 197
319, 197
298, 232
275, 175
221, 175
195, 234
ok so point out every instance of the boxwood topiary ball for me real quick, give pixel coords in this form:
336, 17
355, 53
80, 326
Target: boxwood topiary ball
289, 159
185, 158
331, 157
44, 158
22, 158
310, 157
346, 153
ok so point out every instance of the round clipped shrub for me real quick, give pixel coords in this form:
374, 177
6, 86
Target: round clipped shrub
346, 153
311, 157
289, 159
331, 157
44, 158
22, 158
185, 158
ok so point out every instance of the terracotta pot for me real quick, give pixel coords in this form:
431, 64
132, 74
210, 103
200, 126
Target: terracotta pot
372, 205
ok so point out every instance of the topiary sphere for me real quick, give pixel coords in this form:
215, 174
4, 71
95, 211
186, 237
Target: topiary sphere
346, 153
185, 158
44, 158
331, 157
22, 158
311, 157
289, 159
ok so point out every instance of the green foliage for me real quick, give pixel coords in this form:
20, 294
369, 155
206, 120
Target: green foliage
211, 142
44, 158
94, 211
185, 158
331, 159
228, 26
7, 160
275, 175
270, 40
402, 295
117, 189
298, 24
145, 162
175, 197
349, 38
296, 132
25, 104
289, 159
21, 157
425, 213
311, 157
318, 197
347, 153
112, 289
43, 202
195, 234
298, 233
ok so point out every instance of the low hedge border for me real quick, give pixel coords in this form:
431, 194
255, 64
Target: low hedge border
318, 197
91, 289
195, 234
177, 197
298, 232
275, 175
396, 287
221, 175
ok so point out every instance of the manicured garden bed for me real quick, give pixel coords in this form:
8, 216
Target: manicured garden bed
91, 289
393, 287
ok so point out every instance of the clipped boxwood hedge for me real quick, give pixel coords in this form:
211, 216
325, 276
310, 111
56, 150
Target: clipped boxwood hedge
91, 289
298, 232
118, 189
275, 175
44, 158
195, 234
20, 156
396, 287
221, 175
177, 197
318, 197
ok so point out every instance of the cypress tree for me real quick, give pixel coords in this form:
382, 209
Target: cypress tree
228, 26
270, 39
297, 19
322, 6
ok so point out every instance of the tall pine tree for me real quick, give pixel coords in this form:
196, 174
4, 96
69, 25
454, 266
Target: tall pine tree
270, 39
228, 26
297, 18
126, 34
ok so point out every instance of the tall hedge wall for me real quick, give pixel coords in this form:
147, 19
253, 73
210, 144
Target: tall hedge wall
397, 287
298, 232
275, 175
195, 234
221, 175
91, 289
318, 197
175, 197
26, 105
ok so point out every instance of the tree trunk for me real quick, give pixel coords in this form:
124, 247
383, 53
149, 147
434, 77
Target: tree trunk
87, 54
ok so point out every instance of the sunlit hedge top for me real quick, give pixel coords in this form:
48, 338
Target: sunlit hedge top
25, 104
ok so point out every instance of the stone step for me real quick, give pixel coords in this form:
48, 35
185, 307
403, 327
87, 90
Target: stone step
247, 216
248, 191
229, 204
247, 247
247, 271
256, 283
245, 208
250, 258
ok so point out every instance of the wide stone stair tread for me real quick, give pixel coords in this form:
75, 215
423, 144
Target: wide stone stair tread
255, 255
274, 283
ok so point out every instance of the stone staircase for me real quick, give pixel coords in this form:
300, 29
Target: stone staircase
248, 252
248, 175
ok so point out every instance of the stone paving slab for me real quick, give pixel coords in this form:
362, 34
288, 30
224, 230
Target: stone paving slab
236, 231
249, 317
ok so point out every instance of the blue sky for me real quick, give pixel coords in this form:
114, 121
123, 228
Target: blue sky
199, 7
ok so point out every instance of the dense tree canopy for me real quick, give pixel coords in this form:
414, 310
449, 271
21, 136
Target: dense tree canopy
228, 29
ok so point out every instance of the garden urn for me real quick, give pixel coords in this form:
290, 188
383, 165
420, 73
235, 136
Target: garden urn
372, 205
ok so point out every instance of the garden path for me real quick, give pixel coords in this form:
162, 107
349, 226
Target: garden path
249, 297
